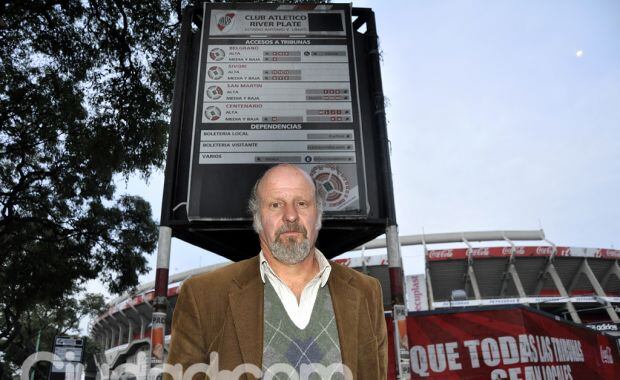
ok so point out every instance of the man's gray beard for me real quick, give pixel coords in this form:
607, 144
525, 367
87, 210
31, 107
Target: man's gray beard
290, 252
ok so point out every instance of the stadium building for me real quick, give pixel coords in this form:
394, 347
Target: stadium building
570, 288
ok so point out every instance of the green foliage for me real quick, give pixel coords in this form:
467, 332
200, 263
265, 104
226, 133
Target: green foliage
42, 323
85, 88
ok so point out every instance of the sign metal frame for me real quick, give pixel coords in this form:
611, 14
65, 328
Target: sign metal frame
232, 236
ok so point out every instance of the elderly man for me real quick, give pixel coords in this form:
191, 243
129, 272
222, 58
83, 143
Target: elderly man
288, 312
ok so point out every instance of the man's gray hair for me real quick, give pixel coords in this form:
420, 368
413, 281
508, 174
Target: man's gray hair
254, 205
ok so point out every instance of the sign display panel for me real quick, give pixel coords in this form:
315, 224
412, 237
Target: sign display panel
276, 84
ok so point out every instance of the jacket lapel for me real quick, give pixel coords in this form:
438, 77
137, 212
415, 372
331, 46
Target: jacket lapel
345, 299
246, 303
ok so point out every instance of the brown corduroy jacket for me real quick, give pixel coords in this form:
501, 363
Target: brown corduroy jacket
222, 311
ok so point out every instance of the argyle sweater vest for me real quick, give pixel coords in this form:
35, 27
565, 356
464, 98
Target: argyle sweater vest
311, 350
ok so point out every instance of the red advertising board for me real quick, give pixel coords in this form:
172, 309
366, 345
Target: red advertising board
498, 252
507, 343
488, 252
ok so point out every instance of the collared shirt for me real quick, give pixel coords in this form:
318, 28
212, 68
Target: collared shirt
298, 312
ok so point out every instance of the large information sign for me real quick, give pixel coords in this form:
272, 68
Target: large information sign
276, 84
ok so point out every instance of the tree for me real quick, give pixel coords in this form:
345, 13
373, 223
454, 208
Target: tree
44, 322
85, 88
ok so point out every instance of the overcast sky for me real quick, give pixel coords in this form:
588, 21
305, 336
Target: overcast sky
502, 115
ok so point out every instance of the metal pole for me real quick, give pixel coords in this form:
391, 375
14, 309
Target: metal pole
395, 265
160, 302
36, 350
399, 311
391, 232
393, 246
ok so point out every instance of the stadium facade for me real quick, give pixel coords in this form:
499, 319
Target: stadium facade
573, 285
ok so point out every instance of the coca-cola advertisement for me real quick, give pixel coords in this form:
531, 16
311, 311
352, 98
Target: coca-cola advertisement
533, 251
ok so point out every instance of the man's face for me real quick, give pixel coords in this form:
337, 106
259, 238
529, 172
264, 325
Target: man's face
288, 214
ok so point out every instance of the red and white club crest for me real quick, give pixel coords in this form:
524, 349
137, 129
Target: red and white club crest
225, 21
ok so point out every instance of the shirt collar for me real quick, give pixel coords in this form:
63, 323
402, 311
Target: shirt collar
324, 267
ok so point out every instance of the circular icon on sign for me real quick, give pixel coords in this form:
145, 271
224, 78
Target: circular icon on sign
332, 183
308, 159
214, 92
306, 53
226, 21
212, 113
217, 54
215, 72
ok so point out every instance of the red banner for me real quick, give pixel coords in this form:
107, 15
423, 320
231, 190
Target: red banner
499, 252
512, 343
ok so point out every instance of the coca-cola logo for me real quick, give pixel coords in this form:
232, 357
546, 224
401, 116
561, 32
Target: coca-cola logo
441, 254
507, 251
611, 253
478, 252
544, 251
